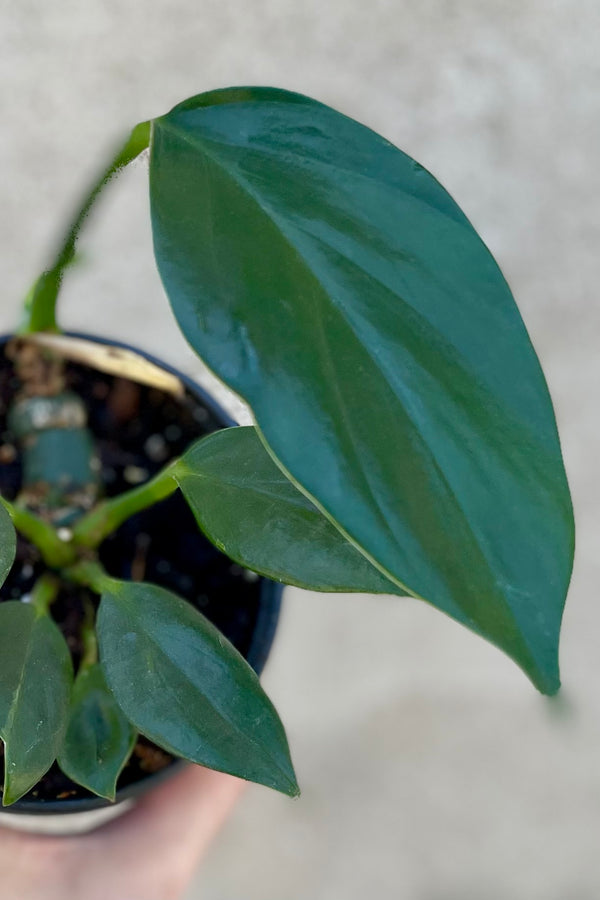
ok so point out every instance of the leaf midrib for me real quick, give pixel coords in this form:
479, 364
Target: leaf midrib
261, 491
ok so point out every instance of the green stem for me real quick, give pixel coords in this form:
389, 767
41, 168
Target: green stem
91, 574
44, 593
56, 553
40, 304
91, 530
88, 638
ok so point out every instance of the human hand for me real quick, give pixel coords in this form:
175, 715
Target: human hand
148, 853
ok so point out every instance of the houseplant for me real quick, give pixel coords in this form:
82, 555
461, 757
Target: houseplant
404, 442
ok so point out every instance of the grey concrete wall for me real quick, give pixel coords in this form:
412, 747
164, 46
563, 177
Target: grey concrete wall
430, 768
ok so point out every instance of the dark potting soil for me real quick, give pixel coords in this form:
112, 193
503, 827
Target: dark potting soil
137, 430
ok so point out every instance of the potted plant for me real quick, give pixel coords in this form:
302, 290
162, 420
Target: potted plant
404, 439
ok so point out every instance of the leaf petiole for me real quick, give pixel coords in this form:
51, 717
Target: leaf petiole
91, 530
56, 553
91, 574
40, 303
88, 637
44, 593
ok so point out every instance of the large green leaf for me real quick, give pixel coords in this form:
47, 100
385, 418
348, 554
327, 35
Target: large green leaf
334, 284
184, 686
250, 510
99, 737
8, 544
34, 695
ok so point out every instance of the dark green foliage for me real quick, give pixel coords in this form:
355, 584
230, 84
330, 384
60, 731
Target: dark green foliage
8, 540
34, 695
184, 686
250, 510
405, 441
99, 737
334, 284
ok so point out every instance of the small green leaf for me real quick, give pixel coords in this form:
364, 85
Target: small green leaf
99, 737
250, 510
185, 687
34, 695
8, 544
334, 284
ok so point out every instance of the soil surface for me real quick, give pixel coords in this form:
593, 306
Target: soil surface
136, 430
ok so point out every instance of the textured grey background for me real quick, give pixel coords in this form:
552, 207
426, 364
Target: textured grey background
430, 769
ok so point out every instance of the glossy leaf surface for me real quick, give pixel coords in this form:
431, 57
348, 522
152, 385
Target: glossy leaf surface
8, 543
253, 513
99, 737
184, 686
34, 695
335, 285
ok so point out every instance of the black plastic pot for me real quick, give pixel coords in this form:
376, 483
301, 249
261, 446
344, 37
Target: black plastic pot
253, 603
